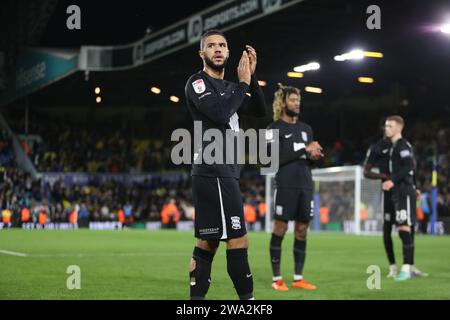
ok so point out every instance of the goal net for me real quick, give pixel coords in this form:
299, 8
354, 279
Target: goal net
343, 201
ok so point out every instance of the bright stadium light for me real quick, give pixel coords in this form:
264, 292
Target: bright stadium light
313, 90
174, 99
98, 99
445, 28
262, 83
365, 79
307, 67
97, 90
339, 57
314, 65
295, 74
356, 54
155, 90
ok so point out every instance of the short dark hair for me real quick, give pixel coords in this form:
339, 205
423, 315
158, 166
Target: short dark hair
397, 119
208, 33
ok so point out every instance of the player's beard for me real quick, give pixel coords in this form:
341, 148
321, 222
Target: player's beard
291, 113
213, 66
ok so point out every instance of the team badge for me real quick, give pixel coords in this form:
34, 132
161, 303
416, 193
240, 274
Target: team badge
199, 86
279, 210
304, 136
235, 223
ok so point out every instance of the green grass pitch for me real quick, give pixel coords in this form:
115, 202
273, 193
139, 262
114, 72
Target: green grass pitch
153, 265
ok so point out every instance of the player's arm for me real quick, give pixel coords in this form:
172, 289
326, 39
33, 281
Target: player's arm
369, 174
406, 164
218, 108
369, 163
290, 151
414, 174
254, 103
314, 152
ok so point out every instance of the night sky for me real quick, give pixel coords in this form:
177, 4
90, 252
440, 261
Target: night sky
116, 22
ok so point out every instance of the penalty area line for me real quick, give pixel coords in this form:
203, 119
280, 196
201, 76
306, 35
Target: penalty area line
13, 253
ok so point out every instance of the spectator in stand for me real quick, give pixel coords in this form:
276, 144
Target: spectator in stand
261, 211
249, 213
170, 215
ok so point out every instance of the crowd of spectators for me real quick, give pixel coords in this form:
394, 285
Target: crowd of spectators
139, 202
72, 149
68, 148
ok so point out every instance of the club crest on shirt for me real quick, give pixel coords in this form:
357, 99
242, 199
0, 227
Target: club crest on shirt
199, 86
304, 136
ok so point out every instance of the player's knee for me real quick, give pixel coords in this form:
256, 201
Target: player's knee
208, 245
192, 265
301, 235
238, 243
404, 228
279, 228
301, 230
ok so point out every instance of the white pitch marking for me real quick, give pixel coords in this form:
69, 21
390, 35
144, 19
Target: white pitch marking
13, 253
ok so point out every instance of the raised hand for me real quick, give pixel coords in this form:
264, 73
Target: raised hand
252, 58
243, 69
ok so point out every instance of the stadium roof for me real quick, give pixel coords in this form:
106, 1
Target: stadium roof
311, 30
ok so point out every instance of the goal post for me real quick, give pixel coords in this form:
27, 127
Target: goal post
343, 201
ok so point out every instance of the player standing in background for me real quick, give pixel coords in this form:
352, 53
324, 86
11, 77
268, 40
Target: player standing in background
401, 182
378, 156
293, 196
215, 187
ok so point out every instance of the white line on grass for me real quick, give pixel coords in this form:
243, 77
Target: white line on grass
134, 254
101, 254
13, 253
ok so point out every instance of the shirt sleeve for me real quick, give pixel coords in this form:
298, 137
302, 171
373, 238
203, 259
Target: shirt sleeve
371, 156
310, 139
218, 108
290, 151
406, 164
255, 104
311, 135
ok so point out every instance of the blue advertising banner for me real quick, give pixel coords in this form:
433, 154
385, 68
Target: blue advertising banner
36, 69
82, 179
224, 16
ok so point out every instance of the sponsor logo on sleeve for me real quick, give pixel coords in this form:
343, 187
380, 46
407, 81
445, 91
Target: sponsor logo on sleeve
405, 153
199, 86
298, 146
